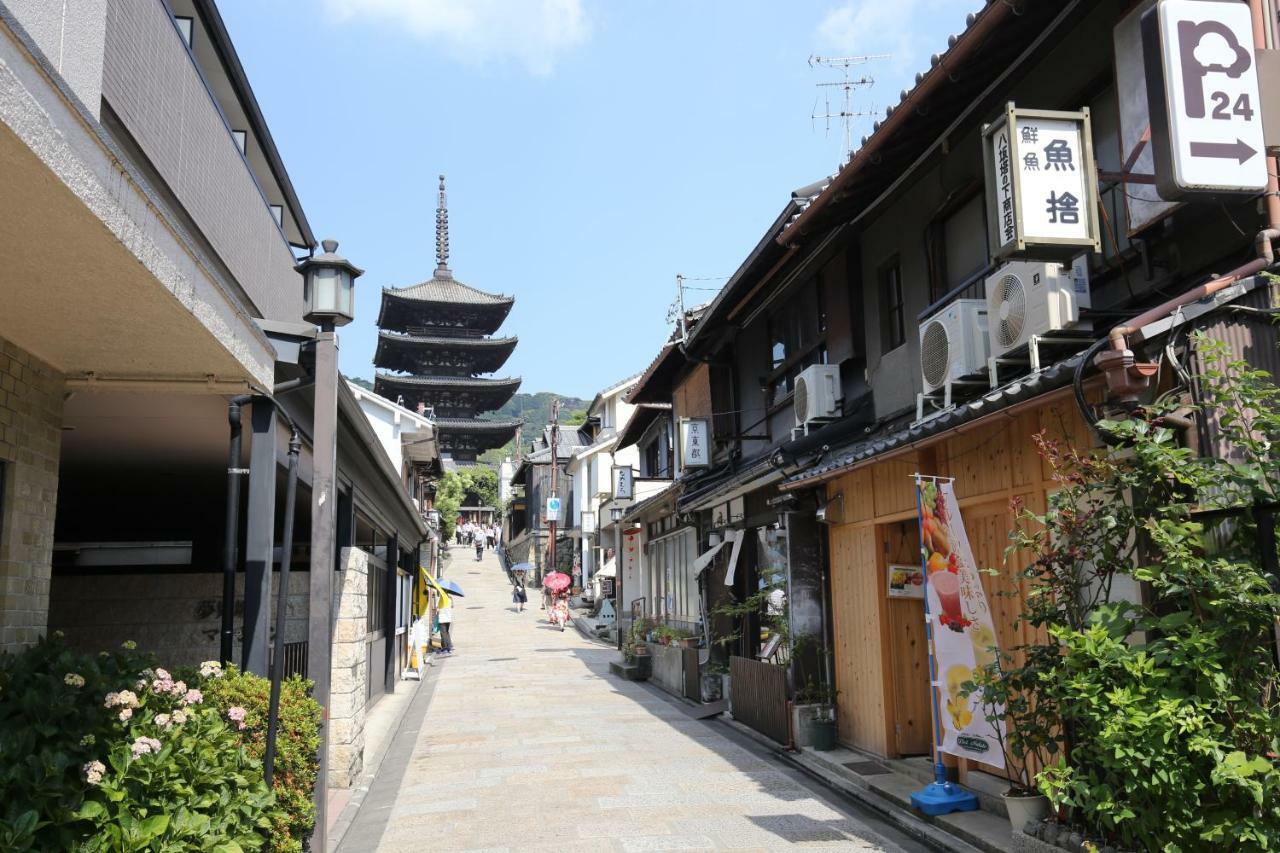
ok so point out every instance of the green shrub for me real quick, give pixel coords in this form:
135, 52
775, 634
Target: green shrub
297, 745
105, 753
1170, 707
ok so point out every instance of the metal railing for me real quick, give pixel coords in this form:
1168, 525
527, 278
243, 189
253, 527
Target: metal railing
295, 659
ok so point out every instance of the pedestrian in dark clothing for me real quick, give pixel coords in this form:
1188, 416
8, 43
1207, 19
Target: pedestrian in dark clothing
519, 597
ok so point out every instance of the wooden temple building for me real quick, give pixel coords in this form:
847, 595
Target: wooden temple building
435, 347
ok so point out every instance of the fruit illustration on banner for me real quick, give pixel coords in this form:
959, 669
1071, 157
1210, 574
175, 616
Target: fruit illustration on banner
963, 637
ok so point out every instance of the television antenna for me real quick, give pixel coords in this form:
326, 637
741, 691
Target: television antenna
847, 84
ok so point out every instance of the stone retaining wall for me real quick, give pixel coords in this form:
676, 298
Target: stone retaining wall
30, 443
350, 679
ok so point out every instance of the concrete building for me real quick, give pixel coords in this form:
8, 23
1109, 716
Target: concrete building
149, 238
591, 469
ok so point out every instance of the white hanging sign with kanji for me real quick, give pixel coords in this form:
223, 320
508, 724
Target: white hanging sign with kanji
1041, 184
695, 451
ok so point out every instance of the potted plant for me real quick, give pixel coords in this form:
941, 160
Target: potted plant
1010, 694
715, 677
814, 718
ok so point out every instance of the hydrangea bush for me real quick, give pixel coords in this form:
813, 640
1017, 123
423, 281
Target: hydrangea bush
108, 752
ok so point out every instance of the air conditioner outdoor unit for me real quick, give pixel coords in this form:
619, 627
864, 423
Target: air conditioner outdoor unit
953, 343
818, 394
1026, 298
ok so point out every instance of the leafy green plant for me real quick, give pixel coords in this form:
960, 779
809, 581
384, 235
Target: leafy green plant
1168, 702
297, 743
817, 693
107, 752
1010, 693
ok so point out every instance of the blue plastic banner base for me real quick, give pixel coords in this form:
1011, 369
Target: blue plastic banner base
943, 798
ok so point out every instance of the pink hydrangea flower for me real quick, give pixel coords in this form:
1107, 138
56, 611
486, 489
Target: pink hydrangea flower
211, 669
93, 772
126, 714
143, 746
193, 697
237, 714
163, 720
178, 688
163, 674
123, 699
179, 717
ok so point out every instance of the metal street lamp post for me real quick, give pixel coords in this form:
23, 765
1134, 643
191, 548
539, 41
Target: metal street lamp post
329, 289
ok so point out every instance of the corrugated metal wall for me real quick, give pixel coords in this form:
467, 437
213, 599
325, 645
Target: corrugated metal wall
1249, 337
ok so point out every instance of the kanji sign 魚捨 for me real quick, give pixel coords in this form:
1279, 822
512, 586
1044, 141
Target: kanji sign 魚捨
1040, 184
1202, 94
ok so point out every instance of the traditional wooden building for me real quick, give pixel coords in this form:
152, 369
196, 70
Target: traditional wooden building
434, 345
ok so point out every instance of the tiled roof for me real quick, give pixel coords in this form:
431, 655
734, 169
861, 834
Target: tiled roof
943, 63
476, 424
895, 435
447, 381
448, 290
461, 341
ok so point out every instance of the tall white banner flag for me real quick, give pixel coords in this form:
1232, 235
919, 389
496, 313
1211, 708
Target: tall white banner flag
964, 637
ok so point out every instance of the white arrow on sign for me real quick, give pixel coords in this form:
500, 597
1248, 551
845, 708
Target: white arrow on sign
1206, 114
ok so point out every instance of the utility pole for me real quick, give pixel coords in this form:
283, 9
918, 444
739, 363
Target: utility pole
846, 113
555, 466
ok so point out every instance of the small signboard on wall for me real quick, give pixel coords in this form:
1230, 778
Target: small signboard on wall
1041, 184
905, 581
694, 448
623, 483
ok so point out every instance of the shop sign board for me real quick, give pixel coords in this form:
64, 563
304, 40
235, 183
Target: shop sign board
1041, 184
1203, 97
623, 483
694, 448
553, 509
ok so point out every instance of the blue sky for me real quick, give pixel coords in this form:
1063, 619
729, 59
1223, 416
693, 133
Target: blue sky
594, 148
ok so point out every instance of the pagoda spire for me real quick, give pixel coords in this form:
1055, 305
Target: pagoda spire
442, 234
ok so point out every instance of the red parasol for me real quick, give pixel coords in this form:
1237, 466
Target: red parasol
556, 582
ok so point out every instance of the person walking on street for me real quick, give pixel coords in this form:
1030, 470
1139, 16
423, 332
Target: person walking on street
519, 597
479, 548
444, 617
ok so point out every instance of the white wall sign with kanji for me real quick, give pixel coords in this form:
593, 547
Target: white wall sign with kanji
695, 450
623, 483
1041, 184
1202, 94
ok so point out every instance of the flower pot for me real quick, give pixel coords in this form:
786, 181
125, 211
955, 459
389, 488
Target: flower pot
1026, 809
824, 735
813, 725
640, 650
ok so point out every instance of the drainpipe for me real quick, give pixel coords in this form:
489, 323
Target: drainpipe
231, 538
1127, 378
231, 533
282, 611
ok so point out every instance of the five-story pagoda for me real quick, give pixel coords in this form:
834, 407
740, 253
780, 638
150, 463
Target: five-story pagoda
434, 344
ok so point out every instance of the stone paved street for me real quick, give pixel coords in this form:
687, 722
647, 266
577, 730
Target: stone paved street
523, 741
